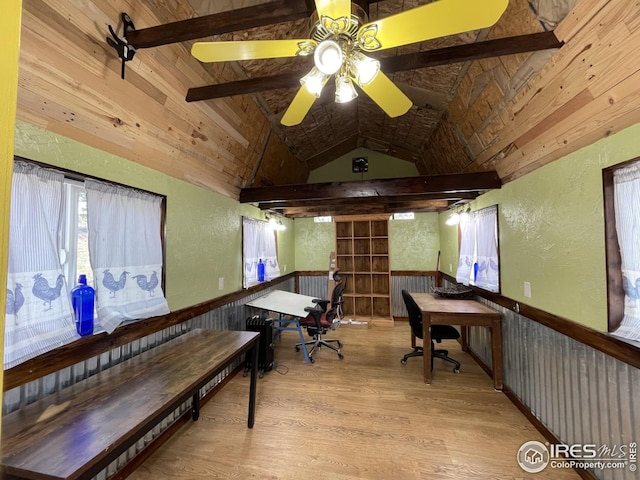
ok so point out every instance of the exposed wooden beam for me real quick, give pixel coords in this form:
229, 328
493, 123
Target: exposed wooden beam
464, 182
241, 87
363, 208
259, 15
471, 51
343, 202
218, 23
410, 61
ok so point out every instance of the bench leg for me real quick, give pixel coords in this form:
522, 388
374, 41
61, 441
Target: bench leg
252, 385
195, 407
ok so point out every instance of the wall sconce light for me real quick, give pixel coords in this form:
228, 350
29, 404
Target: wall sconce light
276, 225
460, 216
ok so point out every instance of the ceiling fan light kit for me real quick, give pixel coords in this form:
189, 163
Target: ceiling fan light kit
328, 57
340, 36
345, 91
314, 81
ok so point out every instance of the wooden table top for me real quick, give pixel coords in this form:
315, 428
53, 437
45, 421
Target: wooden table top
74, 433
431, 303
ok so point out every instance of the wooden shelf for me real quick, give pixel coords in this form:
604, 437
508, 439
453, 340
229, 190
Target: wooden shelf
362, 247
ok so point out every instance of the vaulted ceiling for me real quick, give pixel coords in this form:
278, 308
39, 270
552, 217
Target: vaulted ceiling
332, 129
506, 99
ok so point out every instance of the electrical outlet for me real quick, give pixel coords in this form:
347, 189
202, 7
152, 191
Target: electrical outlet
527, 289
284, 268
221, 283
450, 268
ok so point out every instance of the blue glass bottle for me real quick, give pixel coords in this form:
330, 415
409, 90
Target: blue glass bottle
82, 299
260, 271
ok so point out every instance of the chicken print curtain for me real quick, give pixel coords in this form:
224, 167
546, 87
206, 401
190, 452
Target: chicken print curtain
626, 184
258, 243
38, 314
488, 274
467, 250
125, 249
479, 262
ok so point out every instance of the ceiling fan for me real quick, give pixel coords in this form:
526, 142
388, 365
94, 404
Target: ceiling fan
340, 40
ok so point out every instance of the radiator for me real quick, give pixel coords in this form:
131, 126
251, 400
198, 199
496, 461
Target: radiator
264, 326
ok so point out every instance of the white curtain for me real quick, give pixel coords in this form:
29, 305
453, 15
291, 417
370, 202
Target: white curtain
487, 249
479, 264
38, 316
467, 250
125, 249
258, 243
627, 213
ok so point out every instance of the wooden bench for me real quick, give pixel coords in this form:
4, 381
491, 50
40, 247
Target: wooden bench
79, 431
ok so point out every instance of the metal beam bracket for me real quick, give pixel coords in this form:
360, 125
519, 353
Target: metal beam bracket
123, 49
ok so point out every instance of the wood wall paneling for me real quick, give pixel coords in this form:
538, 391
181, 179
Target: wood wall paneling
588, 91
70, 84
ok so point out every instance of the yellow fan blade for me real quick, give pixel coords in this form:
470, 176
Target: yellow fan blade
299, 107
334, 9
251, 49
389, 97
433, 20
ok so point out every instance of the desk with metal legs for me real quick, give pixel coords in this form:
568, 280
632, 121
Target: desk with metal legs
466, 313
286, 303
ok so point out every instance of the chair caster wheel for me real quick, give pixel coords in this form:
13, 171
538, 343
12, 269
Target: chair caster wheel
297, 349
311, 359
456, 370
403, 361
341, 356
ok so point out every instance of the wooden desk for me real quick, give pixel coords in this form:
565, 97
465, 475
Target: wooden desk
80, 430
466, 313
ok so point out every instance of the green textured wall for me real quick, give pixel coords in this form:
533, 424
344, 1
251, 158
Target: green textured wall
414, 244
380, 166
448, 245
552, 231
314, 242
286, 247
203, 228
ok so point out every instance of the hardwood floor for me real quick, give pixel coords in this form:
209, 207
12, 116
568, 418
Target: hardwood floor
365, 417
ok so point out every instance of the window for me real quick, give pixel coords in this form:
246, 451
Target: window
74, 254
258, 246
622, 224
479, 262
403, 216
61, 227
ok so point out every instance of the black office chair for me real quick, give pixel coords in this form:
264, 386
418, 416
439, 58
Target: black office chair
320, 320
438, 333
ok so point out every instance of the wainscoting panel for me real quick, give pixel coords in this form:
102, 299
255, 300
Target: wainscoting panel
580, 394
411, 283
227, 317
314, 286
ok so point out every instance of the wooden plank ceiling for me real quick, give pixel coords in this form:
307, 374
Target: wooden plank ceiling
494, 100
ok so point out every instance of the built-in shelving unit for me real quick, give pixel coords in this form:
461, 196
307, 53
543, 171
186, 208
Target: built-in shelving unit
362, 250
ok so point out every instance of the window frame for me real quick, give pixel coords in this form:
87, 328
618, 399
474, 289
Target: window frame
76, 177
613, 260
275, 236
497, 207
